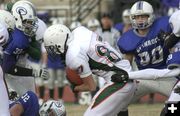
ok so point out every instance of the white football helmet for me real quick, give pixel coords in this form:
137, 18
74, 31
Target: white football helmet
74, 25
142, 8
56, 39
52, 108
25, 15
174, 21
7, 19
126, 16
93, 24
4, 35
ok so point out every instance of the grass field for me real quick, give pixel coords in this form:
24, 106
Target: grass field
134, 109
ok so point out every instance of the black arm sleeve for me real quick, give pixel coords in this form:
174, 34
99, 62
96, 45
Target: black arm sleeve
20, 71
171, 40
9, 66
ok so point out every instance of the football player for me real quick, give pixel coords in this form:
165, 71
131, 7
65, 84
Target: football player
145, 44
18, 44
93, 24
26, 105
37, 56
126, 24
172, 42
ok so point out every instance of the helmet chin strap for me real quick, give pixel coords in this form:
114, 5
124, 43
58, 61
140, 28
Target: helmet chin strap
63, 54
65, 43
20, 15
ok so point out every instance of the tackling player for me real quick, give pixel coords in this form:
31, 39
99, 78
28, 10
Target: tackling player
144, 43
172, 42
19, 44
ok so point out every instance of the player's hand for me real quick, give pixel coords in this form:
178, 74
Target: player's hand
73, 88
171, 40
163, 35
42, 73
120, 78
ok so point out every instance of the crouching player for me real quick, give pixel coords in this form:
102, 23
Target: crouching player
26, 105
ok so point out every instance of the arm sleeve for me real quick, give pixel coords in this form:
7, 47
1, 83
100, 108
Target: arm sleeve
9, 66
150, 74
82, 67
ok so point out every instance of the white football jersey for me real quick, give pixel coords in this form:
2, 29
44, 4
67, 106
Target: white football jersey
175, 24
174, 21
87, 53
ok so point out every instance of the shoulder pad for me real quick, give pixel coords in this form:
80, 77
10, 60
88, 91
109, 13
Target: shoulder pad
128, 42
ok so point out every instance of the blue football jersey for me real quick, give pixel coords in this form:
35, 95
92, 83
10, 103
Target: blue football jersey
119, 27
148, 50
18, 44
174, 59
30, 104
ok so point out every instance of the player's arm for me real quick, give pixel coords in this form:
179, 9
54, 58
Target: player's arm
150, 73
9, 66
16, 110
171, 40
88, 84
81, 66
44, 56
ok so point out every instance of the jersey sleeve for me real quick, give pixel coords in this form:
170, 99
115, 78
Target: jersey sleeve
81, 66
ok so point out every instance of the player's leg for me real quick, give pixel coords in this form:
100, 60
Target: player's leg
61, 79
111, 99
51, 82
4, 104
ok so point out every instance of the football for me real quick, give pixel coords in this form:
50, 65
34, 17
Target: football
73, 77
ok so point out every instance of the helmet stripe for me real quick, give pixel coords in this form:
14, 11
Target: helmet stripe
139, 5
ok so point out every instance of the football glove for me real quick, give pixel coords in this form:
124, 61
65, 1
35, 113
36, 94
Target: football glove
120, 77
42, 73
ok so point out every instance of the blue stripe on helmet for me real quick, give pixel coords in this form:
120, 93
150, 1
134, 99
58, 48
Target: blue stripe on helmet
139, 5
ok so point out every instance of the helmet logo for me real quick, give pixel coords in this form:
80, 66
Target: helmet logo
21, 10
58, 104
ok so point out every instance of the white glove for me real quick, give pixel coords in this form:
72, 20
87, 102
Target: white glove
42, 73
